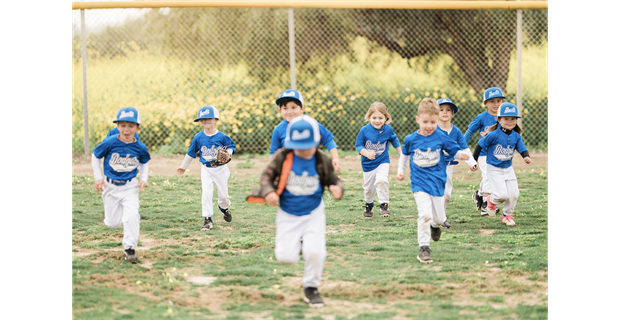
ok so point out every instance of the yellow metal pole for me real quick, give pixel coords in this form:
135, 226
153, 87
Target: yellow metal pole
404, 4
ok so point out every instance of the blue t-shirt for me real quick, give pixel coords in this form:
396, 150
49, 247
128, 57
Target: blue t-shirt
115, 132
375, 140
279, 135
456, 135
303, 192
480, 123
501, 147
428, 162
206, 146
121, 159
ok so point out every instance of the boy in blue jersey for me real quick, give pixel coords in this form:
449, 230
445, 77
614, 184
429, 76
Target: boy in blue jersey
500, 146
123, 155
427, 147
372, 144
114, 132
290, 105
492, 98
205, 144
447, 110
300, 221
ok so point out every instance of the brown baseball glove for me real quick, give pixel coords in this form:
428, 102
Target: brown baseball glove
221, 158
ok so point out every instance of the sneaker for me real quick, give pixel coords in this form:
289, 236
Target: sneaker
491, 207
483, 209
508, 220
368, 210
207, 225
445, 224
385, 212
477, 199
435, 233
227, 214
313, 298
424, 255
130, 255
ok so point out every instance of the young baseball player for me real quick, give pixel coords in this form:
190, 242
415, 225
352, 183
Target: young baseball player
206, 144
500, 146
426, 147
301, 215
447, 110
114, 132
123, 155
290, 105
492, 99
372, 145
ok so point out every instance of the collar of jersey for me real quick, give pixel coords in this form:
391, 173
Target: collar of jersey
506, 131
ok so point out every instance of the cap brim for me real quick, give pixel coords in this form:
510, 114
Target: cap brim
115, 121
279, 100
300, 145
455, 109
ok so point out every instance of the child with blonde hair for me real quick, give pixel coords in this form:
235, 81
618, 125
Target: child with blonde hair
372, 145
427, 148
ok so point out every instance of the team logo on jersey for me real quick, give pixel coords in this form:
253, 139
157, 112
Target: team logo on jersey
296, 135
202, 113
426, 158
123, 164
125, 114
493, 93
503, 154
302, 185
208, 153
378, 147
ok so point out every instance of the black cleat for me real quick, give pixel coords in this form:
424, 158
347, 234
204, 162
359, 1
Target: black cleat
435, 233
368, 210
227, 214
424, 255
385, 212
207, 225
313, 298
130, 255
483, 209
478, 200
445, 224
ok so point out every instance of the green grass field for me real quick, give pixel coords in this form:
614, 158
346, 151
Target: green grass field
482, 269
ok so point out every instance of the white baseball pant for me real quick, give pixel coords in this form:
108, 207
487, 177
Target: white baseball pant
376, 181
121, 206
430, 212
505, 188
447, 194
290, 229
217, 176
484, 184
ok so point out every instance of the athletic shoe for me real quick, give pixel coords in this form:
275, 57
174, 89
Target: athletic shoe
477, 199
368, 210
445, 224
385, 212
435, 233
130, 255
508, 220
424, 255
313, 298
483, 209
491, 207
227, 214
207, 225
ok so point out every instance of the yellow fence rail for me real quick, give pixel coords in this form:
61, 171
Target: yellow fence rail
442, 5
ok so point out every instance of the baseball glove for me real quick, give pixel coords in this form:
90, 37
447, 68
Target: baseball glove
221, 158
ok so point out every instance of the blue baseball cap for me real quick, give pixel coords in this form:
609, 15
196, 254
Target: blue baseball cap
491, 93
441, 101
290, 94
128, 114
208, 112
302, 133
508, 109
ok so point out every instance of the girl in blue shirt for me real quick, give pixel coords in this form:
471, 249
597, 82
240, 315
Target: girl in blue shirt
372, 145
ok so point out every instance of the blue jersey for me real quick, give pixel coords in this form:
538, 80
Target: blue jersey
115, 132
376, 140
481, 123
501, 147
303, 192
206, 146
121, 159
279, 134
428, 162
456, 135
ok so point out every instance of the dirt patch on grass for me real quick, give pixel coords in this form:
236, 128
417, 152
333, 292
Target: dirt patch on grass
487, 232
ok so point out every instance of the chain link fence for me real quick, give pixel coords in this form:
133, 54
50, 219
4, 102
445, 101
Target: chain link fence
168, 63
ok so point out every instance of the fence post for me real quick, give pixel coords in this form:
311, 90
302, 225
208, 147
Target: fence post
291, 44
519, 44
86, 146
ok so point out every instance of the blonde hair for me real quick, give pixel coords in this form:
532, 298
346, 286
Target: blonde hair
428, 106
378, 106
